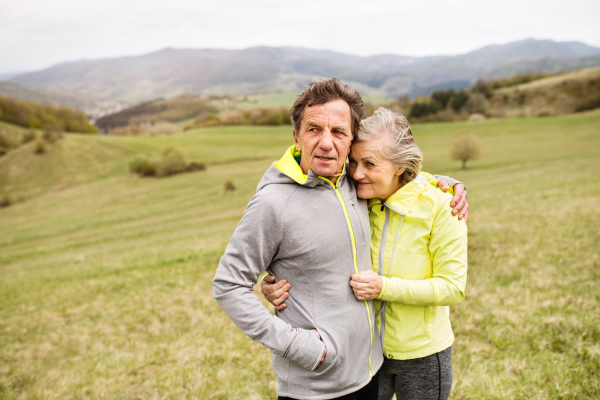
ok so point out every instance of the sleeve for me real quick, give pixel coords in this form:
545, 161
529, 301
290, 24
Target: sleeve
248, 254
448, 248
433, 179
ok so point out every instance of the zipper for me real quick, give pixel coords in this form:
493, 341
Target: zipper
380, 266
353, 240
380, 270
362, 232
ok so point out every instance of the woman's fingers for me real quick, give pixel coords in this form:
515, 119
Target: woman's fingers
279, 298
275, 293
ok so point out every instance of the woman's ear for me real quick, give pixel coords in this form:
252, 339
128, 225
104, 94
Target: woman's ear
400, 171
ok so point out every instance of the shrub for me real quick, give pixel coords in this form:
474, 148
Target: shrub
40, 147
5, 201
465, 147
140, 165
52, 134
5, 140
229, 186
172, 162
3, 151
28, 136
196, 166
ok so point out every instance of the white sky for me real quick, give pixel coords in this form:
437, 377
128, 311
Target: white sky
35, 34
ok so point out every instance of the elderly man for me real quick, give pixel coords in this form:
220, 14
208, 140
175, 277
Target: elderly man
306, 225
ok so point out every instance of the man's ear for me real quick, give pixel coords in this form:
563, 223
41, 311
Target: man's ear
298, 146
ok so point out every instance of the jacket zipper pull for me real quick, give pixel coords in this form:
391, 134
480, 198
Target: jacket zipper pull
382, 207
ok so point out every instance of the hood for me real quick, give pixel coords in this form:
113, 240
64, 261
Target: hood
287, 170
402, 201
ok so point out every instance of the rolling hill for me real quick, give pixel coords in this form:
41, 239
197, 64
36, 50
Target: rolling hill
561, 94
169, 72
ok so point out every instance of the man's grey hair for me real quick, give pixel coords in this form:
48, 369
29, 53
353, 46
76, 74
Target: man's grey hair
400, 148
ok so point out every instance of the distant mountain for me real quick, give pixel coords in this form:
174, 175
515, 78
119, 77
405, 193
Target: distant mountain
170, 72
8, 75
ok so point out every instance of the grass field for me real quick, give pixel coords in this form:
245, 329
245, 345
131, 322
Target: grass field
106, 278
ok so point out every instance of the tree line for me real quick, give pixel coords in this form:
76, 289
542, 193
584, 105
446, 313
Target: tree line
39, 116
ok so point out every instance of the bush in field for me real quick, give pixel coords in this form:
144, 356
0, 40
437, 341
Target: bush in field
172, 162
141, 165
28, 136
6, 143
229, 186
40, 147
465, 147
5, 201
196, 166
52, 134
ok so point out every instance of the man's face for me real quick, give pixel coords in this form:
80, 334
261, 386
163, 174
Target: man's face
324, 139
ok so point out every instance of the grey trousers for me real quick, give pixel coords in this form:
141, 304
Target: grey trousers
427, 378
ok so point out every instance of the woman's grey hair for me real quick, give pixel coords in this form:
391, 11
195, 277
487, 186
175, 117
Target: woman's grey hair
401, 148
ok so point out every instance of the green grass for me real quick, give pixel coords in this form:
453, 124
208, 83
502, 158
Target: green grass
106, 277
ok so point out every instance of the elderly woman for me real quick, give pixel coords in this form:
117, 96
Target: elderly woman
419, 256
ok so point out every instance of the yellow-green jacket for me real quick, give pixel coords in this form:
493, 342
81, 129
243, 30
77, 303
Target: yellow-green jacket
416, 233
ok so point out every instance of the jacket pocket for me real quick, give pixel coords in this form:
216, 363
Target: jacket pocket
281, 366
360, 227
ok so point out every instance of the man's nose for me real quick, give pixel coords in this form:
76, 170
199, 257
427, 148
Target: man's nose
326, 140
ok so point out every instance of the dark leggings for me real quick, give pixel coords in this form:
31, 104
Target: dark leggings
427, 378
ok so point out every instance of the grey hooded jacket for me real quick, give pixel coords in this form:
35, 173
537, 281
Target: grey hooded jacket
315, 235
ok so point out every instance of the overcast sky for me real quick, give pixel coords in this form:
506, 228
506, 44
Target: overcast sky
35, 34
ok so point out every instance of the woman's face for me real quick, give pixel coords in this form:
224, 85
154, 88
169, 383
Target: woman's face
375, 177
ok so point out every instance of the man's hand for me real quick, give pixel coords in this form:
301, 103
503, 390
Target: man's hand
459, 201
324, 353
275, 293
366, 285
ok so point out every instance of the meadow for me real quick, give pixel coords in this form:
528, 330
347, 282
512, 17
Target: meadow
106, 277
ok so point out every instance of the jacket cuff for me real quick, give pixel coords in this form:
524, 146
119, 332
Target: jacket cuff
319, 359
383, 289
305, 347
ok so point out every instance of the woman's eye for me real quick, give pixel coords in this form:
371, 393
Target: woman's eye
351, 161
370, 164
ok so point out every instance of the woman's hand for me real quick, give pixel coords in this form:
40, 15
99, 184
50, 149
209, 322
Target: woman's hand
275, 293
366, 285
459, 201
